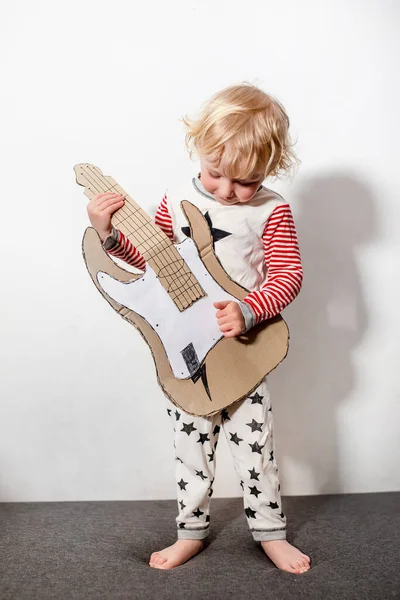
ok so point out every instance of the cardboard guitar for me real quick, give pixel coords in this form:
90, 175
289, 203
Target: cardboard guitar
171, 305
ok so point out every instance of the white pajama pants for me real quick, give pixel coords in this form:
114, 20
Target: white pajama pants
248, 427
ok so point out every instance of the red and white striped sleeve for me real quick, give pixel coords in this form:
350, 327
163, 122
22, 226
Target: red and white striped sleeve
163, 218
283, 262
118, 245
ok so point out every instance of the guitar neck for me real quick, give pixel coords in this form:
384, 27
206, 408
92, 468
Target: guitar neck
152, 243
139, 228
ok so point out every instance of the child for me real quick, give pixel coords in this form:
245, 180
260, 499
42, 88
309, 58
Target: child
241, 138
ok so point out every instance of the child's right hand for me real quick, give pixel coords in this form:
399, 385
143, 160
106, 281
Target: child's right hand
100, 210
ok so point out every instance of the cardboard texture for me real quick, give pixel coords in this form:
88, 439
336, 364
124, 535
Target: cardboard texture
233, 367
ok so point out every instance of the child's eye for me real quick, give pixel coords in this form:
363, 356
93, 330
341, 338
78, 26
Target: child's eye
215, 175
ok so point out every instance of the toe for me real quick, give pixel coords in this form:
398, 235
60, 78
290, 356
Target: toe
304, 556
290, 567
304, 567
302, 561
157, 560
299, 566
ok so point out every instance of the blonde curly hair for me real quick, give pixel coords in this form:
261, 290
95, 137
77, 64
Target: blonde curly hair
246, 126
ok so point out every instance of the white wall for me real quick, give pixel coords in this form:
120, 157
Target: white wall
81, 416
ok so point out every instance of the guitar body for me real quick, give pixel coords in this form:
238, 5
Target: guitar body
198, 369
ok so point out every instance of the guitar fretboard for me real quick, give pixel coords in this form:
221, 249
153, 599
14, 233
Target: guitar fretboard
152, 243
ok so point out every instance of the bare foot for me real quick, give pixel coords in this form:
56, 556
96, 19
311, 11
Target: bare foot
286, 557
175, 555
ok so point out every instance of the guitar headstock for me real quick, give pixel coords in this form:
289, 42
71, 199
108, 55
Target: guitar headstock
92, 179
84, 172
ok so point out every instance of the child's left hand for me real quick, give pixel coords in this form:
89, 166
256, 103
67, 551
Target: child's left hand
230, 318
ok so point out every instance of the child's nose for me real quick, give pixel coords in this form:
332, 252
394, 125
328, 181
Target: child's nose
226, 189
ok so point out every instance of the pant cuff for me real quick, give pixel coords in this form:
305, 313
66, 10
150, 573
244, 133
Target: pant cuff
192, 534
262, 535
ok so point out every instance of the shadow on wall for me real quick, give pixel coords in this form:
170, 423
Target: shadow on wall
327, 322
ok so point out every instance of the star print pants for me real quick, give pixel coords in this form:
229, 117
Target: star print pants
248, 427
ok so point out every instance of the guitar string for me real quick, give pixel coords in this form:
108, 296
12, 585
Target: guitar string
176, 272
166, 257
188, 290
178, 290
102, 185
102, 181
194, 290
134, 221
161, 261
181, 281
126, 222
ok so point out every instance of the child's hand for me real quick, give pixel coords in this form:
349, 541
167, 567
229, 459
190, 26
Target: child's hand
230, 318
100, 210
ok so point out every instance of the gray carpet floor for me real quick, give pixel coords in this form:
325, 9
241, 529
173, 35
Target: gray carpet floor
99, 550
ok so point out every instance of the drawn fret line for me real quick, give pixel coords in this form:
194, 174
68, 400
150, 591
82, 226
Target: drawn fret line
135, 216
141, 229
100, 180
140, 224
135, 213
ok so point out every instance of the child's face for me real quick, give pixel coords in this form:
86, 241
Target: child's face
225, 190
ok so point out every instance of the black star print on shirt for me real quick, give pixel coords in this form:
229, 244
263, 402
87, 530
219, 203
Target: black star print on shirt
201, 474
181, 525
235, 438
253, 474
271, 455
216, 430
256, 447
203, 438
273, 505
182, 504
188, 427
216, 234
254, 426
211, 456
254, 491
197, 513
169, 411
182, 484
178, 415
256, 399
242, 485
250, 514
